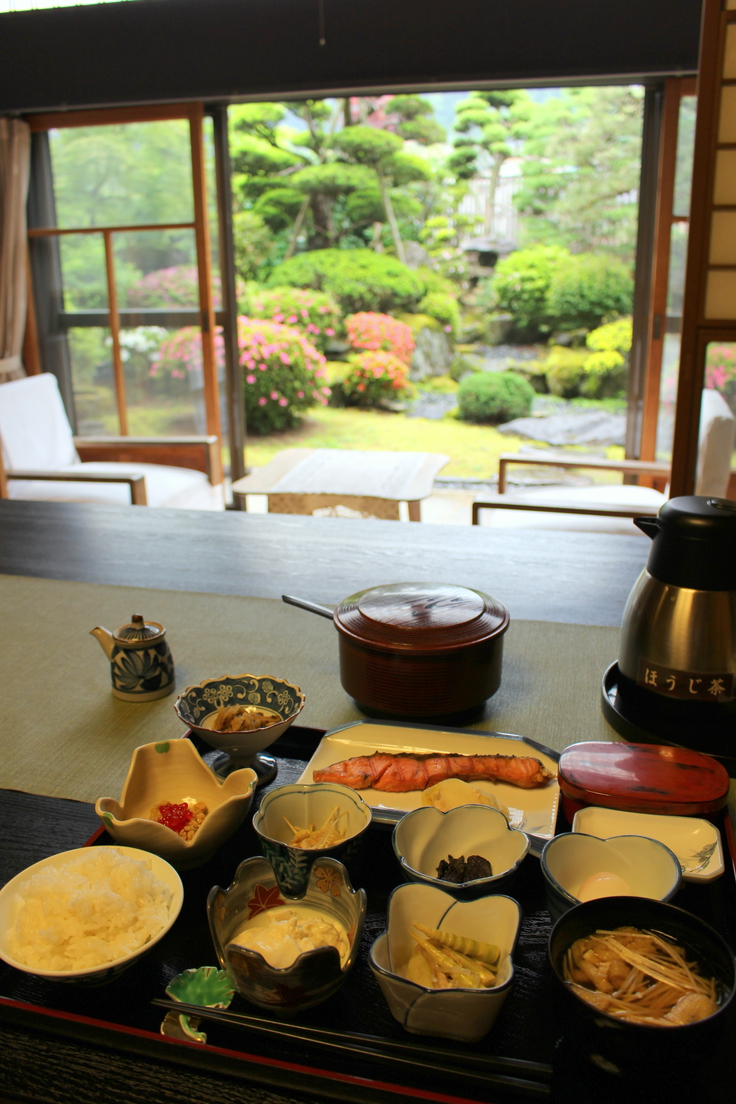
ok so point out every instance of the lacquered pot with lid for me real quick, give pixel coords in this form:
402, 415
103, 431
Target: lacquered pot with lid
419, 651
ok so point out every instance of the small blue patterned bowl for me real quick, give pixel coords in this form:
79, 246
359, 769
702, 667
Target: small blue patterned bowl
197, 707
315, 974
299, 806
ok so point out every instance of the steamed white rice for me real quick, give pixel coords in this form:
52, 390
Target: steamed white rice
88, 911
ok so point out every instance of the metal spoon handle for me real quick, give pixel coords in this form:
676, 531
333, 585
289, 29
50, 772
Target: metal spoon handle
313, 607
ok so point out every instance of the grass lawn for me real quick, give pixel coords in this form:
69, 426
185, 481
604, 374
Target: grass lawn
474, 449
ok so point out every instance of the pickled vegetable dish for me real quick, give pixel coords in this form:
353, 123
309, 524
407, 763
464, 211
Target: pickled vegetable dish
442, 960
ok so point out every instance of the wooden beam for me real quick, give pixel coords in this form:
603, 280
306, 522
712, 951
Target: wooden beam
59, 231
692, 348
117, 357
107, 116
204, 272
661, 266
31, 354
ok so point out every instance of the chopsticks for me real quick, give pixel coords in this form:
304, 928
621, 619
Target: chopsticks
512, 1073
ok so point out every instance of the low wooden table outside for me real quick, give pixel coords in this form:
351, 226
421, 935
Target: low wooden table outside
369, 484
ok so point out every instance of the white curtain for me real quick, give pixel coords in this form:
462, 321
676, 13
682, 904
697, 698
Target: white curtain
15, 154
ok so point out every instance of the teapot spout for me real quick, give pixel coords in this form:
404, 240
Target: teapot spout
104, 636
648, 525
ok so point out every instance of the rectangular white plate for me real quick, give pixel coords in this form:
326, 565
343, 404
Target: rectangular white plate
539, 806
695, 842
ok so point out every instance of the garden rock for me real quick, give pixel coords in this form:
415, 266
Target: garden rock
432, 405
432, 354
579, 427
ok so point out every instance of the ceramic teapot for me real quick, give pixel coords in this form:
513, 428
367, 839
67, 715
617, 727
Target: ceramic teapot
141, 664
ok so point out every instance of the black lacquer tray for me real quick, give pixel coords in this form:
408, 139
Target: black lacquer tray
536, 1059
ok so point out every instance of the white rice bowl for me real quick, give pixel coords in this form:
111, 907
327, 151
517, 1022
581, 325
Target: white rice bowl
87, 913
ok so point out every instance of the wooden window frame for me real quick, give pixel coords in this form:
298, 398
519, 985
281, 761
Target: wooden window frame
193, 113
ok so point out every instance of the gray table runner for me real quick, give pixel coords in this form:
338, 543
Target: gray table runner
64, 735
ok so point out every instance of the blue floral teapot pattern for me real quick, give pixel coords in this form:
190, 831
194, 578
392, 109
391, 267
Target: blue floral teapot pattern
141, 664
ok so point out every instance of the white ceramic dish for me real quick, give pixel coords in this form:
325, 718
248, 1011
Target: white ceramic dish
94, 975
425, 836
173, 771
647, 867
463, 1014
695, 842
538, 806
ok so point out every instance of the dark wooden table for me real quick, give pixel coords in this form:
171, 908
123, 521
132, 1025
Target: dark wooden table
579, 578
583, 578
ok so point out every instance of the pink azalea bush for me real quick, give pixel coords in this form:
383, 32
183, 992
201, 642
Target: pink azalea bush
374, 379
283, 374
720, 370
176, 286
180, 354
314, 312
372, 331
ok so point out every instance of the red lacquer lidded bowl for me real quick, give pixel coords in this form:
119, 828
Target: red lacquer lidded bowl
641, 778
420, 650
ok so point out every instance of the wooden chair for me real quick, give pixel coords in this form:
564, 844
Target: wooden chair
41, 459
603, 506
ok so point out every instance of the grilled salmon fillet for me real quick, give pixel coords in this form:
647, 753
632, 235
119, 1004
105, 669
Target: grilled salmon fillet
402, 772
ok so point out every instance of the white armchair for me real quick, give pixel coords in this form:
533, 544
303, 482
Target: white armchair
41, 459
608, 506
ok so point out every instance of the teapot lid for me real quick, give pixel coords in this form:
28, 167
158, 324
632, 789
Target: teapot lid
138, 629
694, 543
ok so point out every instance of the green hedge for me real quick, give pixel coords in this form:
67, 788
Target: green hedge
359, 279
494, 397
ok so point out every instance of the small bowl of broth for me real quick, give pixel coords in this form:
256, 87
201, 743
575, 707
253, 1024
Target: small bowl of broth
644, 982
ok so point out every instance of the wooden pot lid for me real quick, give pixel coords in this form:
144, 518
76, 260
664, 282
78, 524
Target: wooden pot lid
643, 778
421, 617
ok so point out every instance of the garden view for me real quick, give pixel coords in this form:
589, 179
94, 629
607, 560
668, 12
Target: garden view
413, 271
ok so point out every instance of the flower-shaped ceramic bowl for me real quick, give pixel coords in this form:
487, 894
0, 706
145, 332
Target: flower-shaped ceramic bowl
425, 837
173, 772
579, 867
254, 900
198, 706
462, 1014
299, 806
50, 895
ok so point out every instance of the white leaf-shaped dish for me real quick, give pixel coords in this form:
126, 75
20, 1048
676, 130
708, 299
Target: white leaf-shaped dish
695, 842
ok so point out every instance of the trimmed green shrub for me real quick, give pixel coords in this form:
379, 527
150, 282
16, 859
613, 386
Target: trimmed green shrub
564, 370
374, 379
314, 312
359, 279
589, 289
419, 322
435, 281
444, 309
519, 287
461, 366
283, 375
606, 365
494, 397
